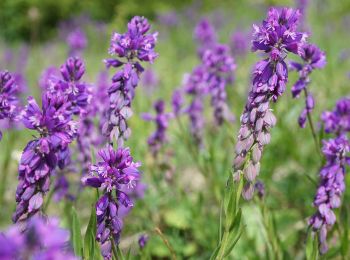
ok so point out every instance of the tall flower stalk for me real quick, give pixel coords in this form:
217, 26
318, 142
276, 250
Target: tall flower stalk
117, 174
276, 36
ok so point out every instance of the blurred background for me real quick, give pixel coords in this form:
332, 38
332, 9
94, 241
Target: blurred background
38, 34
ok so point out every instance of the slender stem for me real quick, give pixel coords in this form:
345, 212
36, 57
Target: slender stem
48, 200
312, 128
166, 242
6, 166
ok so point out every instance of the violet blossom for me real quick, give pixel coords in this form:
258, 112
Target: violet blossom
239, 43
77, 42
313, 58
134, 46
116, 172
161, 119
205, 35
219, 67
56, 131
276, 36
331, 187
177, 101
8, 97
338, 120
40, 239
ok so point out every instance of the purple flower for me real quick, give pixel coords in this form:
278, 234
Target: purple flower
56, 129
161, 119
338, 120
150, 80
77, 42
48, 76
135, 45
276, 37
331, 187
8, 98
239, 43
313, 58
143, 239
169, 19
177, 101
219, 67
116, 172
205, 35
40, 239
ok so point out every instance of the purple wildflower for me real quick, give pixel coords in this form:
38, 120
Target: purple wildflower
239, 43
331, 187
117, 171
177, 101
205, 35
77, 42
313, 58
150, 80
161, 119
40, 239
219, 67
47, 76
169, 19
41, 155
276, 37
338, 120
260, 189
135, 45
8, 98
143, 239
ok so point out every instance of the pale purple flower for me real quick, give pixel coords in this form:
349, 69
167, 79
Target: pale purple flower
77, 42
331, 187
276, 36
338, 120
169, 19
177, 101
149, 80
205, 35
161, 119
239, 43
39, 239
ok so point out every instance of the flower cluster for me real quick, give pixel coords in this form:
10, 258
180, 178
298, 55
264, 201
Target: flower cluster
76, 41
239, 43
161, 119
8, 97
313, 58
133, 46
277, 36
56, 129
338, 120
205, 35
41, 239
116, 172
331, 187
219, 66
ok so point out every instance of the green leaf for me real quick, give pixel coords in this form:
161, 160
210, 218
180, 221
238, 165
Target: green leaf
76, 234
234, 241
312, 247
90, 234
215, 253
345, 237
237, 220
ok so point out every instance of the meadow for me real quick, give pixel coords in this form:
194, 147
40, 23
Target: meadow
189, 198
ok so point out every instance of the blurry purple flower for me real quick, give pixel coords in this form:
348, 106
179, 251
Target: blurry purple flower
276, 36
338, 120
77, 42
331, 187
143, 239
161, 119
8, 98
40, 239
168, 18
205, 35
239, 43
260, 189
177, 101
47, 77
149, 80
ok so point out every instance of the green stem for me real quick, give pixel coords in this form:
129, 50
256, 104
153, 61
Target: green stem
6, 166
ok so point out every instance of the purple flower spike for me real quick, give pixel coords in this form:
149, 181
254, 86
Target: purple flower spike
313, 58
161, 119
338, 120
331, 187
115, 173
134, 46
8, 97
205, 35
54, 124
40, 239
276, 36
77, 42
